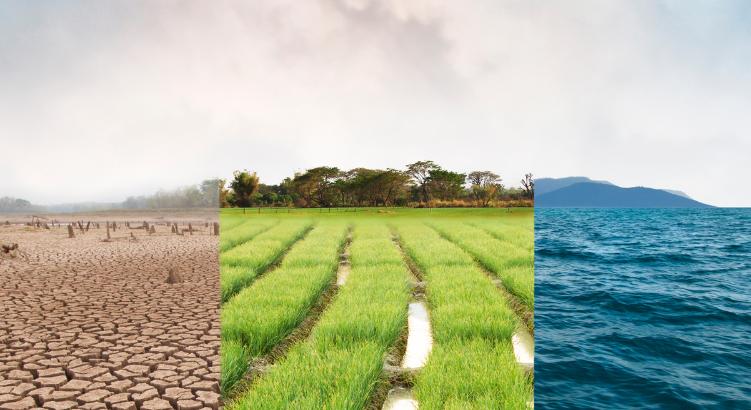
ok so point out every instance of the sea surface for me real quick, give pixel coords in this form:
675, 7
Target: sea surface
642, 308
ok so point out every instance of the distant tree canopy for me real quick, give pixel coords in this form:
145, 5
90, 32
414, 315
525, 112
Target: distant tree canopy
244, 187
210, 193
8, 204
207, 194
484, 186
423, 183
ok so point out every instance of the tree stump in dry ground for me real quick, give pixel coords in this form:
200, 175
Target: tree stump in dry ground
8, 248
174, 277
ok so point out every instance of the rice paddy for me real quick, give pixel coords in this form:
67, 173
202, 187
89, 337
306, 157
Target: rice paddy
296, 333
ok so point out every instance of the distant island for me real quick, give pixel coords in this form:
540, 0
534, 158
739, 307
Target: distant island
582, 192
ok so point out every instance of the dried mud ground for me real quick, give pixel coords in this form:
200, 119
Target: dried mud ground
94, 325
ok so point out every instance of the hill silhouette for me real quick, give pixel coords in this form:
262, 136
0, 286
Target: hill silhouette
545, 185
600, 195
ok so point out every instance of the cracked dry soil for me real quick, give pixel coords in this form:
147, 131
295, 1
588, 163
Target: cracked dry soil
94, 325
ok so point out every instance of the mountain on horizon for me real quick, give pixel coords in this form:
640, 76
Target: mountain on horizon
677, 192
596, 194
545, 185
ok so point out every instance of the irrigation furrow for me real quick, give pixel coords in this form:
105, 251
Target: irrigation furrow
261, 316
342, 359
473, 330
412, 350
344, 266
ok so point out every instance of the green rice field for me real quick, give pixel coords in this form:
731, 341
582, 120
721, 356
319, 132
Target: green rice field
320, 308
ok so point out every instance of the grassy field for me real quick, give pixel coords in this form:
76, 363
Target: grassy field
295, 337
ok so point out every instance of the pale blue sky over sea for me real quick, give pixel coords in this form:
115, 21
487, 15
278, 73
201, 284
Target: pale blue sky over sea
101, 100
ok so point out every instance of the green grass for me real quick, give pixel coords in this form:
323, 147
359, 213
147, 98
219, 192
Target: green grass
472, 365
262, 314
240, 233
472, 329
339, 365
230, 222
519, 233
308, 378
240, 265
476, 374
234, 364
265, 247
514, 265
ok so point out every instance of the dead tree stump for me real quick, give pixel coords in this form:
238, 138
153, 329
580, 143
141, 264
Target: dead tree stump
71, 234
8, 248
108, 231
174, 277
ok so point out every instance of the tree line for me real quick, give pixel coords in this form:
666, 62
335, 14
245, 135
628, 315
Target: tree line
202, 195
10, 204
420, 184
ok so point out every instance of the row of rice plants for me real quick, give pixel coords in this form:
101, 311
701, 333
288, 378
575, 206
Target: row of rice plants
259, 316
514, 265
341, 362
519, 233
472, 365
232, 222
229, 238
240, 265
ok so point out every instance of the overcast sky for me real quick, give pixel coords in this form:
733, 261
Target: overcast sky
101, 100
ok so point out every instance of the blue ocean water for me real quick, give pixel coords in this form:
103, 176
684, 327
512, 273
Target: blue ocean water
642, 308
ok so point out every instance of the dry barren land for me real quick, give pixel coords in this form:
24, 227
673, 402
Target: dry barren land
94, 324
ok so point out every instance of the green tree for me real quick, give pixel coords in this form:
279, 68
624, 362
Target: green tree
420, 172
445, 185
484, 186
315, 186
244, 186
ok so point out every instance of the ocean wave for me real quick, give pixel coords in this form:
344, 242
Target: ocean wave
642, 309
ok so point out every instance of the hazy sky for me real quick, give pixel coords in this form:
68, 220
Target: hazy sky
100, 100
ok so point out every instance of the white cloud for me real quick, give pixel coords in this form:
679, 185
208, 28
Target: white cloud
103, 101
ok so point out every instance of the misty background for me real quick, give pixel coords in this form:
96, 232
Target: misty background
104, 101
